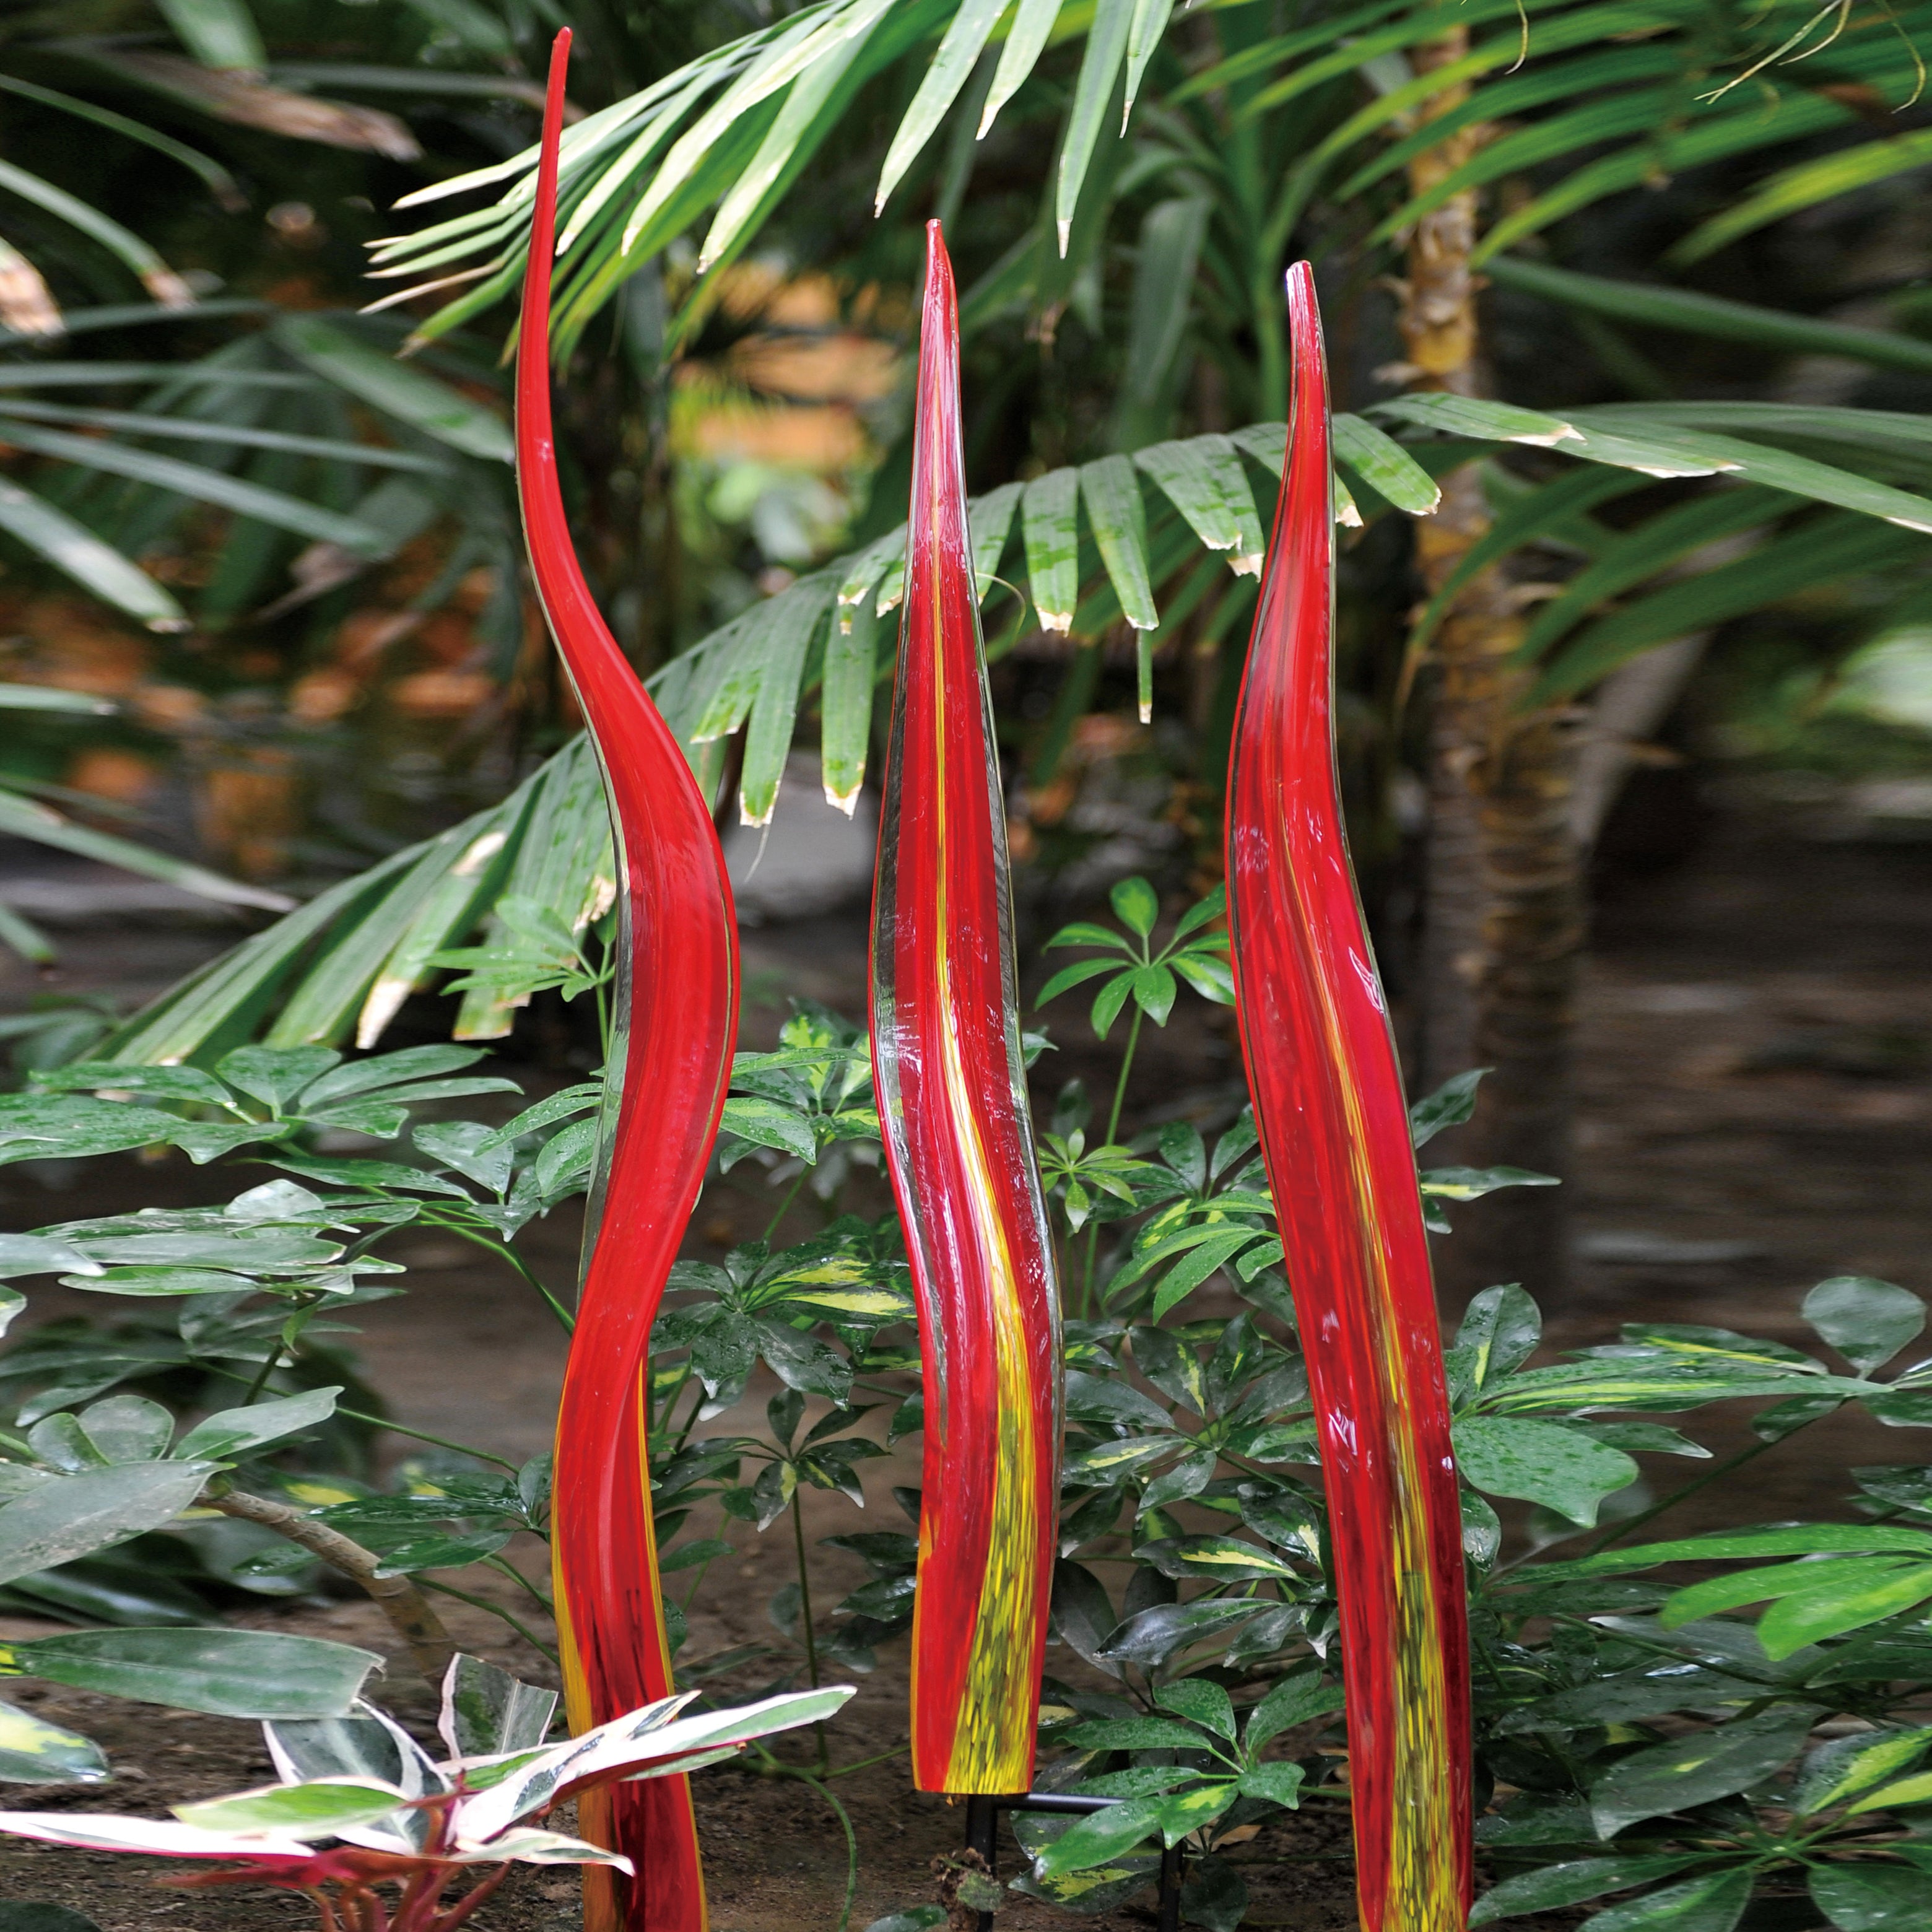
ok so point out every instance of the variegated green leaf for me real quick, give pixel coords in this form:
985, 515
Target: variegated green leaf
769, 738
990, 518
1204, 480
1385, 466
846, 705
863, 575
1118, 515
1049, 517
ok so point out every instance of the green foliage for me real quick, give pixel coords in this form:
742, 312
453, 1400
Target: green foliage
1649, 1723
536, 869
1148, 978
362, 1777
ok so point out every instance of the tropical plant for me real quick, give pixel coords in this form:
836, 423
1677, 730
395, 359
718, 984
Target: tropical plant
359, 1804
1606, 1682
1159, 521
1237, 136
1191, 1470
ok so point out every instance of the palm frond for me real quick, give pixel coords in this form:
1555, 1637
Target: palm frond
267, 433
1158, 526
1655, 305
733, 130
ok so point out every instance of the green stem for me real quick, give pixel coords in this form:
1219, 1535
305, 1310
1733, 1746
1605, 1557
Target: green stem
697, 1583
516, 1260
273, 1357
423, 1435
785, 1206
1619, 1531
383, 1422
691, 1420
772, 1767
1126, 1068
516, 1575
804, 1618
523, 1630
851, 1850
1113, 1128
262, 1376
866, 1763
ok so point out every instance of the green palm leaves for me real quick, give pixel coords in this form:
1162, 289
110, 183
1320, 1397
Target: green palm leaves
272, 428
1144, 539
1641, 89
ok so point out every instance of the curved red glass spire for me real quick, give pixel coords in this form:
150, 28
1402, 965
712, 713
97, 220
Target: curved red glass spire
1328, 1103
670, 1060
952, 1102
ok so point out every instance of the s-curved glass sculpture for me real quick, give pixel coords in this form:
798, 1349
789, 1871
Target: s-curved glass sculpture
670, 1060
1328, 1104
952, 1104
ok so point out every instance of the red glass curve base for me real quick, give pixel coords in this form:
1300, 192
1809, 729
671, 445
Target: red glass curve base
1328, 1104
677, 1020
952, 1104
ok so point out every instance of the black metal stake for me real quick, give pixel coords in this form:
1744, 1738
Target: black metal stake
1170, 1890
982, 1836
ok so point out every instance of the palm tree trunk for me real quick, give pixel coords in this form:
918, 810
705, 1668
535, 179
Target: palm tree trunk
1504, 918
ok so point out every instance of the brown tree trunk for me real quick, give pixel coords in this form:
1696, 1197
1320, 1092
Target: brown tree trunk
1503, 915
408, 1611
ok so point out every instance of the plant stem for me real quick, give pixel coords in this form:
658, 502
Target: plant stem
516, 1575
805, 1619
423, 1435
516, 1260
1126, 1068
773, 1767
1619, 1531
523, 1630
785, 1206
262, 1375
1113, 1128
430, 1646
866, 1763
272, 1360
851, 1848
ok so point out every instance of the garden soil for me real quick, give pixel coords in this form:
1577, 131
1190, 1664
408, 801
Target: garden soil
1756, 1088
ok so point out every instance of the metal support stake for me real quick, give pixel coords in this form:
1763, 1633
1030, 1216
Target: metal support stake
1170, 1890
982, 1827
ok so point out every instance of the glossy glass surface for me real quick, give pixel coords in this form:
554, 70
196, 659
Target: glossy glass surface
1328, 1103
953, 1103
670, 1063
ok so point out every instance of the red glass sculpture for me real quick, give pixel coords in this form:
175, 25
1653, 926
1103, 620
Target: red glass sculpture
677, 1019
953, 1104
1328, 1103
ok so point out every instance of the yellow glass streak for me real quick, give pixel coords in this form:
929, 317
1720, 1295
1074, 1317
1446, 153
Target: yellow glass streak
1422, 1894
991, 1749
601, 1912
991, 1744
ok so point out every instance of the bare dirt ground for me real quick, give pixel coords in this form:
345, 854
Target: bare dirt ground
1756, 1113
